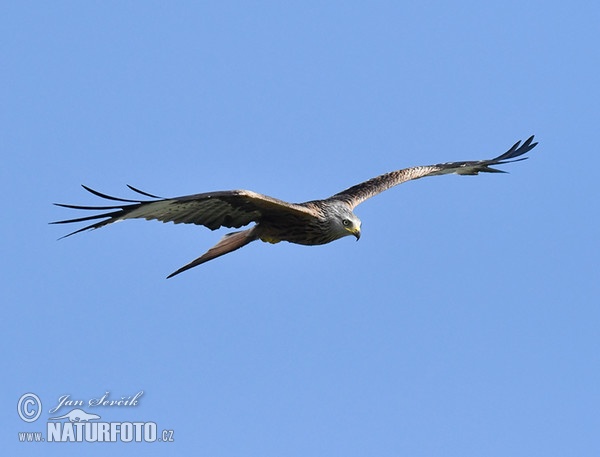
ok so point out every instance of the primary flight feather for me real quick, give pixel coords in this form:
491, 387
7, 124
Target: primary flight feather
309, 223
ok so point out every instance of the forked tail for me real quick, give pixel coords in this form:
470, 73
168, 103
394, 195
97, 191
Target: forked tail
228, 243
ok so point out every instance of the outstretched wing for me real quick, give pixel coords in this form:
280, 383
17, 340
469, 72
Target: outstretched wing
233, 208
359, 193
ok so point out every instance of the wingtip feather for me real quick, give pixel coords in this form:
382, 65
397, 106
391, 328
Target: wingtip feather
141, 192
108, 197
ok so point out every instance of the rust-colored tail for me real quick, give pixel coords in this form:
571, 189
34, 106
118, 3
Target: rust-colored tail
228, 243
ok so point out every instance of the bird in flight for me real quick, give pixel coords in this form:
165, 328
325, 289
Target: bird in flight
310, 223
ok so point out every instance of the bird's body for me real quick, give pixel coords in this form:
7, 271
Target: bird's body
311, 223
320, 228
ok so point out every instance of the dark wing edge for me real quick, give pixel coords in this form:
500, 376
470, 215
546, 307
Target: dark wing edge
213, 210
355, 195
484, 166
111, 217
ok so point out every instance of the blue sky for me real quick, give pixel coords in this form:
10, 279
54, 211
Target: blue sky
465, 321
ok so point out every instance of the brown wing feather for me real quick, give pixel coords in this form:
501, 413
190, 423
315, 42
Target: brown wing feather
234, 208
360, 192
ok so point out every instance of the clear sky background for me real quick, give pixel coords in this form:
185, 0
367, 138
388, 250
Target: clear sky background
464, 323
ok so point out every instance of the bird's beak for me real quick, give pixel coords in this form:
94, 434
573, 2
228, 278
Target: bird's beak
356, 234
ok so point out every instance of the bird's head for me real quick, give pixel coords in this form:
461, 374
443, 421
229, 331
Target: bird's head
345, 223
352, 226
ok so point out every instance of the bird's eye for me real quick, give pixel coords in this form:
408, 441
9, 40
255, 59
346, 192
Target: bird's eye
346, 222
